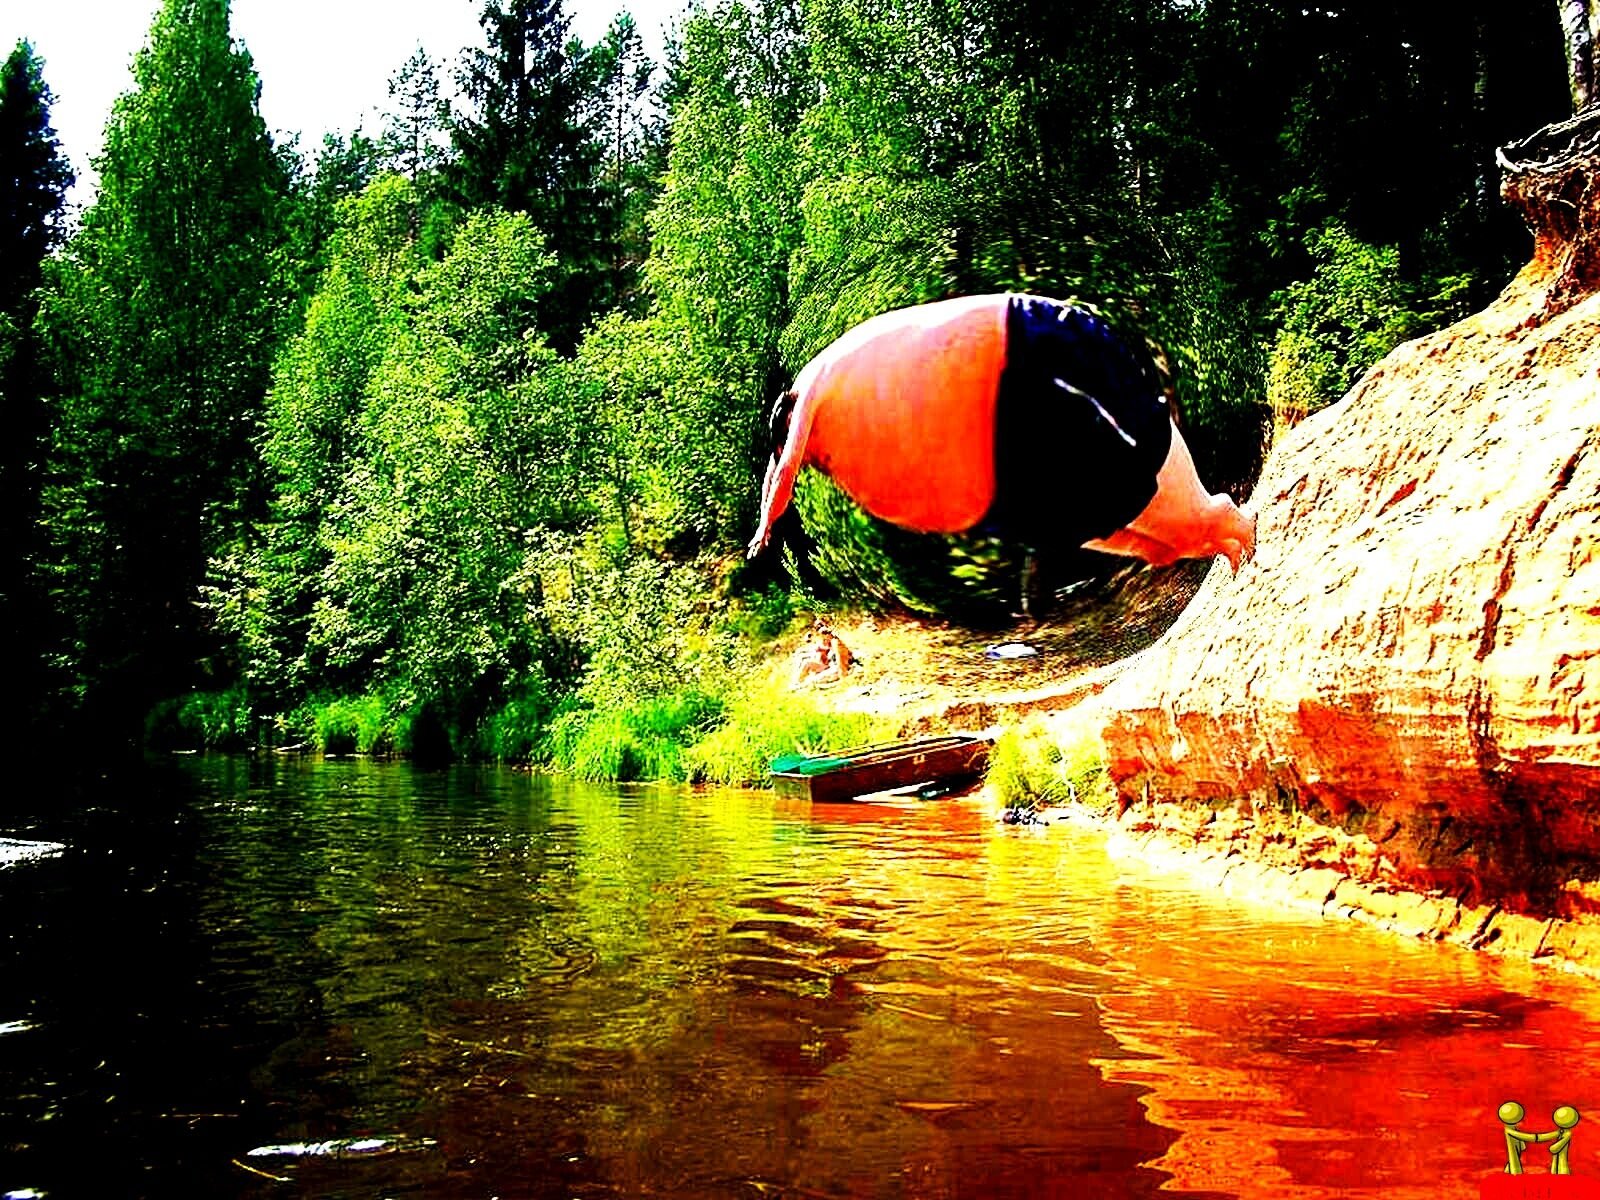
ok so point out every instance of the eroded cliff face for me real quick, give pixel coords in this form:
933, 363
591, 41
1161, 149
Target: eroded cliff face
1403, 689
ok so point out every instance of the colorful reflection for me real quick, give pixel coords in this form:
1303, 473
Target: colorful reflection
359, 980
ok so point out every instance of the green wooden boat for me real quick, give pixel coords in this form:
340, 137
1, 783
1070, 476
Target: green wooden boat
880, 768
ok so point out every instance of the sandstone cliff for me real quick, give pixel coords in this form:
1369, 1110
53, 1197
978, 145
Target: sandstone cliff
1403, 689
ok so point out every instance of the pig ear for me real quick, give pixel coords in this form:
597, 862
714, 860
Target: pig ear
778, 421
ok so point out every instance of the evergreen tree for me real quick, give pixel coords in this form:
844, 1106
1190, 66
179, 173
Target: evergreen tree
345, 166
630, 126
162, 319
340, 168
522, 145
34, 178
33, 181
415, 130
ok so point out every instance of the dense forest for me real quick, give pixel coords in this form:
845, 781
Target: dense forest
445, 438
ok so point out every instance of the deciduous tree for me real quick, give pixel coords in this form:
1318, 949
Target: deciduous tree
1578, 21
163, 317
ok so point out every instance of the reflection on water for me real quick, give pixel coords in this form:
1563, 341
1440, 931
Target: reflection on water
477, 983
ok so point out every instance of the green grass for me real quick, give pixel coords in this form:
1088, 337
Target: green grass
514, 731
200, 721
693, 737
356, 725
769, 721
643, 741
1031, 767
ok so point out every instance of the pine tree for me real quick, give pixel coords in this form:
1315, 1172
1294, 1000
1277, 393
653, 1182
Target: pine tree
33, 181
523, 146
34, 178
630, 125
340, 168
163, 317
414, 133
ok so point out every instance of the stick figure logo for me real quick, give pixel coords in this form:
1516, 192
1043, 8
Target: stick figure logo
1513, 1183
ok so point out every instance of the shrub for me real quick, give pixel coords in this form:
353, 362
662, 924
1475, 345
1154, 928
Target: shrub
1354, 309
201, 720
512, 732
761, 615
642, 741
1031, 768
362, 725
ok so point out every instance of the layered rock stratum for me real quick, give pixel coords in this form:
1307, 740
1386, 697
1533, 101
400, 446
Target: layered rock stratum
1401, 694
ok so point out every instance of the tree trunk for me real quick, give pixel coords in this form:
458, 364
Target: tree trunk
1578, 27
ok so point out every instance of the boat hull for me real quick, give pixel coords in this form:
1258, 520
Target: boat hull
883, 768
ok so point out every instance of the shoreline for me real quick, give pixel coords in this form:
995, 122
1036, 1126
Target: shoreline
1203, 845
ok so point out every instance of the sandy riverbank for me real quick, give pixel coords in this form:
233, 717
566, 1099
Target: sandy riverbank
935, 677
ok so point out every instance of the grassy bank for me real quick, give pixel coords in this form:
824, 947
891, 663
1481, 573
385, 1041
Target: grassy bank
698, 733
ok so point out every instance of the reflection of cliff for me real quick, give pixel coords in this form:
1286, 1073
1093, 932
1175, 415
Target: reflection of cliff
1413, 660
1294, 1059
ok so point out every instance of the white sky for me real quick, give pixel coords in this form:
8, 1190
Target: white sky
324, 65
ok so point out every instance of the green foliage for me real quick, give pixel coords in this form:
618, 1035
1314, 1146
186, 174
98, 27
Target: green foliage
639, 625
201, 721
337, 170
490, 458
513, 733
522, 145
762, 723
641, 741
34, 184
723, 232
631, 131
1354, 309
727, 220
358, 725
264, 594
900, 193
761, 615
33, 187
161, 319
463, 446
1030, 767
419, 430
870, 562
672, 435
415, 131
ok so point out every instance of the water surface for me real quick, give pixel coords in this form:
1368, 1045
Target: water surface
526, 987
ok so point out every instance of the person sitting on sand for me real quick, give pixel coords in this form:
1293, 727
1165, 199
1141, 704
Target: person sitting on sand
823, 659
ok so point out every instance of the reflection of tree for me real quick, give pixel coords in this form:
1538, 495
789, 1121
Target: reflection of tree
880, 1008
648, 989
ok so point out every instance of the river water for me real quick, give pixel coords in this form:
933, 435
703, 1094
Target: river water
478, 983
